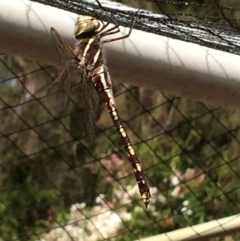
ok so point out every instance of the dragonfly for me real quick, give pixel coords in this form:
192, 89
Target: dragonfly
85, 61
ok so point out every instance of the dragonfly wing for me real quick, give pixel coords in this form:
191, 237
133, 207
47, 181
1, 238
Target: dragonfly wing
65, 52
91, 100
58, 91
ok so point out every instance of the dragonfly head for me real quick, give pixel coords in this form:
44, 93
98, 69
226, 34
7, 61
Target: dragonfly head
86, 24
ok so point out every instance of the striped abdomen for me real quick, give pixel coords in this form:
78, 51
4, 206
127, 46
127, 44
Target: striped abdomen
102, 82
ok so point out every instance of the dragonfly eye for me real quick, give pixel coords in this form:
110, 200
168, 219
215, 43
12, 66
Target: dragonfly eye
86, 24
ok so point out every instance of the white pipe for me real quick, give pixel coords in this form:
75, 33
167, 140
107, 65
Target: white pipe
203, 231
154, 62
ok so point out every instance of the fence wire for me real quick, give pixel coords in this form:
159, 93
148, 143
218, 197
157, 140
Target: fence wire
55, 186
210, 23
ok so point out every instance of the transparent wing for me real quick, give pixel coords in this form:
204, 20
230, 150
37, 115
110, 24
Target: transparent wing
65, 52
91, 100
58, 91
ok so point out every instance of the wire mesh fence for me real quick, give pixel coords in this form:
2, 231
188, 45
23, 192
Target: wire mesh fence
209, 23
55, 186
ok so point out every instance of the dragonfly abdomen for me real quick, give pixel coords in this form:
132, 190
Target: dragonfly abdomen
143, 187
102, 82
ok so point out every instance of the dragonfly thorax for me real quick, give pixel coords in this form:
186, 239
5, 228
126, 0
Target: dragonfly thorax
86, 24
